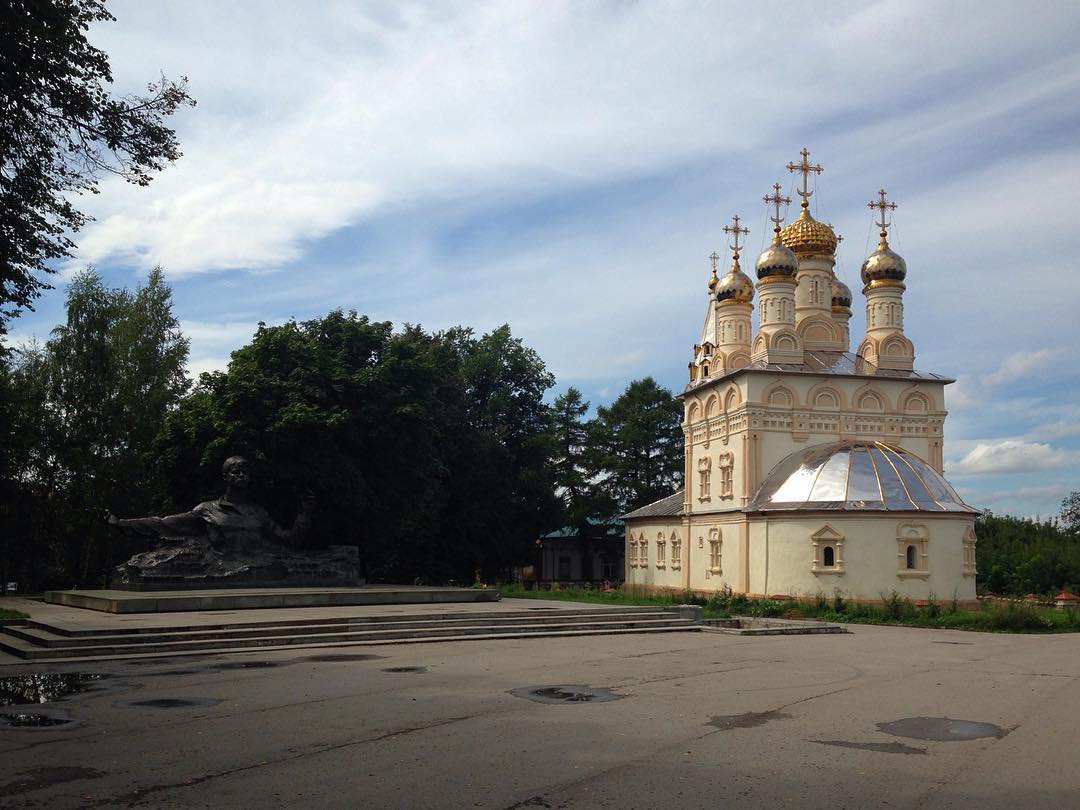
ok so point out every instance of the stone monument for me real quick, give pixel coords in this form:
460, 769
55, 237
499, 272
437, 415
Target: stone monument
231, 542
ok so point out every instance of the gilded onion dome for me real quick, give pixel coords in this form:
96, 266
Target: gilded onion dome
735, 287
883, 264
808, 237
777, 260
841, 295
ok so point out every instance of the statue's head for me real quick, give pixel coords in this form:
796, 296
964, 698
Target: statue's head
235, 471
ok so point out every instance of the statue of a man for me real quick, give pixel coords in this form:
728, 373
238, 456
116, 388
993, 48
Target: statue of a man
230, 523
225, 540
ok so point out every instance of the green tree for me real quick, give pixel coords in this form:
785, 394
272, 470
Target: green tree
428, 452
60, 131
636, 444
1070, 512
92, 401
585, 508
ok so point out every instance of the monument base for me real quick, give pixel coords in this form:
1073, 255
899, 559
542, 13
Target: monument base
124, 601
195, 564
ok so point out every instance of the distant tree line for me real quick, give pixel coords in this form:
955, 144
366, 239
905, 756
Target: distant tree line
437, 454
1018, 556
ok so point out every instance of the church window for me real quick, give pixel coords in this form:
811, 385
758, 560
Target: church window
705, 370
727, 466
660, 561
715, 550
913, 550
969, 552
643, 551
827, 546
705, 479
632, 559
676, 551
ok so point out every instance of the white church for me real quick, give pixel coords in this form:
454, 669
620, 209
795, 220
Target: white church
809, 467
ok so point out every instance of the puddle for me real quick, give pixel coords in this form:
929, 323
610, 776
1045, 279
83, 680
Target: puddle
726, 722
565, 693
44, 687
405, 669
173, 703
941, 729
38, 778
246, 665
883, 748
32, 720
344, 657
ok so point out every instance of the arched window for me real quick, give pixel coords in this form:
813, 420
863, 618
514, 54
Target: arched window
911, 558
705, 370
828, 558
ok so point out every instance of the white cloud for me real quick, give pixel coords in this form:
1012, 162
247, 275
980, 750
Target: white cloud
195, 367
1019, 365
1012, 456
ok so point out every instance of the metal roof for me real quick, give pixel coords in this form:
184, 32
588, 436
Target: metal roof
856, 476
665, 507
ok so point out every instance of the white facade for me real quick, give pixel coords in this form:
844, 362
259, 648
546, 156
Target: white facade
802, 391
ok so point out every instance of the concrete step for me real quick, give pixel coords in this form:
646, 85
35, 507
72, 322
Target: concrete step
26, 646
534, 615
322, 645
45, 635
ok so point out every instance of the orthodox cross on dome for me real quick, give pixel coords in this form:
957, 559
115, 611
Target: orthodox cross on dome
736, 231
807, 169
882, 206
714, 257
776, 200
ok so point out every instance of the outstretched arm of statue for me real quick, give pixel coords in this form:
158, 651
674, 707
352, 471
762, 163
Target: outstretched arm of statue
183, 524
301, 525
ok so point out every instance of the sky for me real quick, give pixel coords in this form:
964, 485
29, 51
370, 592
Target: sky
566, 168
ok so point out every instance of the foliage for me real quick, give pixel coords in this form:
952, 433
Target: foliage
638, 444
85, 409
1018, 556
429, 452
7, 613
995, 616
60, 131
1070, 512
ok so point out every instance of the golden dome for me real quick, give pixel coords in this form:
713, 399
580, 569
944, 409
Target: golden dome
841, 294
735, 287
806, 236
883, 264
776, 260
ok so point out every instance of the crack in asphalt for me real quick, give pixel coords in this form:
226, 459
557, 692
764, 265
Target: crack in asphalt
141, 793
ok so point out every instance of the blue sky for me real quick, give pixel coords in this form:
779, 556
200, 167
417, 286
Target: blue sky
566, 168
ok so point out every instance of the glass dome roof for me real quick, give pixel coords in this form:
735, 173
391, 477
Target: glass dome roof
871, 476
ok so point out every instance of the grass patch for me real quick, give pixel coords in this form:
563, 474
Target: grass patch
12, 614
894, 609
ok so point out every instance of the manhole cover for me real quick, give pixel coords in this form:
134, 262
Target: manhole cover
344, 657
44, 687
565, 693
941, 729
246, 665
405, 669
173, 703
31, 720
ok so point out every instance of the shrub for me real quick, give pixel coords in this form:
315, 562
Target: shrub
896, 607
1015, 616
838, 603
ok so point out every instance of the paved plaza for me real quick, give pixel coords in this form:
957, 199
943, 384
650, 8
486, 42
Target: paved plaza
701, 720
